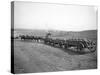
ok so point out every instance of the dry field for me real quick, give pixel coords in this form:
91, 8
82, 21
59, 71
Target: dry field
32, 57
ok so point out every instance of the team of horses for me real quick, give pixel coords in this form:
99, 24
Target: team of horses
77, 45
27, 37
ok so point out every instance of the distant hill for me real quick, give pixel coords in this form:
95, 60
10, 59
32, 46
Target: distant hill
90, 34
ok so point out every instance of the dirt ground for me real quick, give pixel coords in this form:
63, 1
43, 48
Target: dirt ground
31, 57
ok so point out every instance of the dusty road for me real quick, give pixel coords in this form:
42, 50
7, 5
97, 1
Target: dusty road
34, 57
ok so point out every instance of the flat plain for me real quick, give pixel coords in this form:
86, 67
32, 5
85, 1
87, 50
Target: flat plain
33, 57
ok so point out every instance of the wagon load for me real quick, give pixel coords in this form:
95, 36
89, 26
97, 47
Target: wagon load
77, 45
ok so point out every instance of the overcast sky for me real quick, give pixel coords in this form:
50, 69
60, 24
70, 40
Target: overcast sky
29, 15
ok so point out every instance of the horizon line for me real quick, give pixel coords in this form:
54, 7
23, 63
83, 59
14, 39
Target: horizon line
54, 29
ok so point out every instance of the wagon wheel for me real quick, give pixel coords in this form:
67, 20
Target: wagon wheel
92, 49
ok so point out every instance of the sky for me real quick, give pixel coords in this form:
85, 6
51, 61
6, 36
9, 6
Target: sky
49, 16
